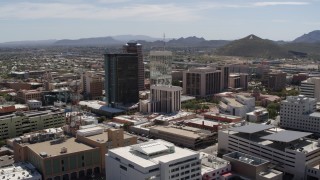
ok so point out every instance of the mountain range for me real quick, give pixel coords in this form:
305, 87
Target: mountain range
253, 46
311, 37
249, 46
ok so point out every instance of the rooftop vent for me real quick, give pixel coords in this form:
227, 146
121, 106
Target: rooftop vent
43, 154
63, 150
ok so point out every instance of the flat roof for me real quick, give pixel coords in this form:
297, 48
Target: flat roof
286, 136
252, 128
173, 130
54, 149
135, 157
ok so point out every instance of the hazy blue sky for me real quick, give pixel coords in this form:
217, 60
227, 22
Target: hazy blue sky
211, 19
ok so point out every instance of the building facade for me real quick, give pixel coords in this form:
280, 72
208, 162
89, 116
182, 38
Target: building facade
311, 88
14, 125
252, 167
289, 151
225, 72
105, 140
240, 105
160, 67
165, 99
121, 79
92, 85
276, 80
24, 95
299, 112
155, 159
136, 48
201, 82
66, 159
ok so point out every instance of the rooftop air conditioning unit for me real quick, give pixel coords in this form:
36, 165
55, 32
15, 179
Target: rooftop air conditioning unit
63, 150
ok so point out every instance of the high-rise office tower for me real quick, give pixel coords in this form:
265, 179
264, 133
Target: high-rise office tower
160, 67
224, 76
202, 81
165, 99
92, 85
121, 79
136, 48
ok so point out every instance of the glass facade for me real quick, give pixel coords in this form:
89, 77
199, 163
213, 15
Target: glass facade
160, 67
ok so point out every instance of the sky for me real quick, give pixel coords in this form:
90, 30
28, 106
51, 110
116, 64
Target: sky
211, 19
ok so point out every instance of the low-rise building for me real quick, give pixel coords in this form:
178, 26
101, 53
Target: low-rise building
212, 167
59, 157
238, 106
101, 108
289, 151
19, 171
203, 124
34, 104
252, 167
105, 140
257, 116
155, 159
222, 117
4, 109
17, 124
189, 137
24, 95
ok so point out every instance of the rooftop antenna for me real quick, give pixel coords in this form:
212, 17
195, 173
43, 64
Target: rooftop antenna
164, 41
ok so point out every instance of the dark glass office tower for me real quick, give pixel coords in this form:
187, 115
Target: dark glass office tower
121, 79
132, 47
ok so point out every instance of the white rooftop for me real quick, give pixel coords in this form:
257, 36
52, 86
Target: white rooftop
134, 153
20, 171
151, 147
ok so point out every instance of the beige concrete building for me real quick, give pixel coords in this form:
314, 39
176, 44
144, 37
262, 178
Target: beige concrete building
165, 99
238, 81
14, 125
252, 167
93, 85
311, 88
112, 138
201, 82
58, 156
189, 137
275, 80
67, 159
24, 95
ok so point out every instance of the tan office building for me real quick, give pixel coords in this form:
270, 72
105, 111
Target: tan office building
110, 139
63, 160
201, 82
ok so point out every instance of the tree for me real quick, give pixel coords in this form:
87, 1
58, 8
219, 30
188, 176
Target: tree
273, 109
101, 119
176, 83
126, 126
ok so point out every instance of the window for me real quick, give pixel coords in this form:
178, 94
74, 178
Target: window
122, 167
